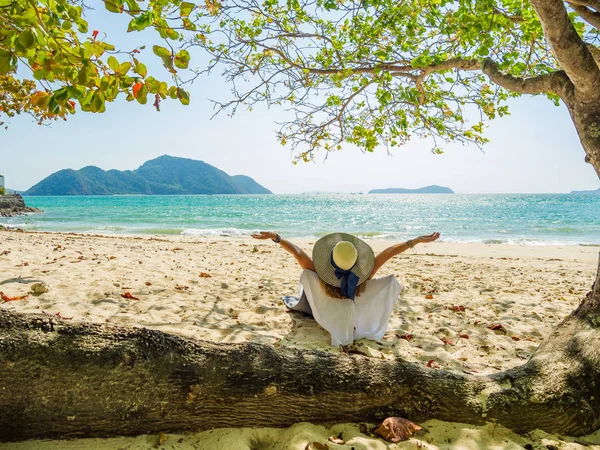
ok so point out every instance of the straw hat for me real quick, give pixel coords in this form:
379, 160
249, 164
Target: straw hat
351, 252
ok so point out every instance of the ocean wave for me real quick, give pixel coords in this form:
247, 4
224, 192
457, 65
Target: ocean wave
22, 225
494, 241
109, 228
517, 241
229, 232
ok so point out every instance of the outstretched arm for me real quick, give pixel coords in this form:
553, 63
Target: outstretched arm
303, 259
394, 250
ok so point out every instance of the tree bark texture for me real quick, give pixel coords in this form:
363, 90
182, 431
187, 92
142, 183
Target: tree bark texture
62, 380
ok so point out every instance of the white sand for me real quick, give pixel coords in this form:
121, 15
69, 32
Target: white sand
440, 436
526, 289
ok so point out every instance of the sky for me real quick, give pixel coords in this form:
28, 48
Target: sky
534, 150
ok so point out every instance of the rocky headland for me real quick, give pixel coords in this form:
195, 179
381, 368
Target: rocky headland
14, 205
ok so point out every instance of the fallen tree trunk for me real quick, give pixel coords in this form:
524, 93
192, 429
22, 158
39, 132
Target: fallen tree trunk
61, 380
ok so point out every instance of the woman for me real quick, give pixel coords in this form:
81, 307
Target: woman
337, 285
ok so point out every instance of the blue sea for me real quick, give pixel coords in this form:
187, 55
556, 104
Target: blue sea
496, 218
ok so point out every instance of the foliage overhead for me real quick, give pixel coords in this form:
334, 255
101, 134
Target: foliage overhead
370, 72
361, 72
49, 40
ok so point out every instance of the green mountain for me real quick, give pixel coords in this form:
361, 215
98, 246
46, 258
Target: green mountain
163, 175
424, 190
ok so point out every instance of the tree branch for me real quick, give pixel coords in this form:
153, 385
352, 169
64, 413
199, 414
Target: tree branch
595, 51
594, 4
556, 82
512, 18
568, 47
591, 17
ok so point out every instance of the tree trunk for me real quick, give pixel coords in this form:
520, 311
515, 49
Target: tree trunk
62, 380
585, 113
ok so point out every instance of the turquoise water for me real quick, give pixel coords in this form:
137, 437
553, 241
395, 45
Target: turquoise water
498, 218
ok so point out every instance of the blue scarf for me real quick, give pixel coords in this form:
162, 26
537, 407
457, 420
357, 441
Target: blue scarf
349, 279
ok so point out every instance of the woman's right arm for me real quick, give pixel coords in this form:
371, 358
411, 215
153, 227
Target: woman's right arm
303, 259
394, 250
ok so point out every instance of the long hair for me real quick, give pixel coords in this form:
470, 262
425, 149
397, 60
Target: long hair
336, 292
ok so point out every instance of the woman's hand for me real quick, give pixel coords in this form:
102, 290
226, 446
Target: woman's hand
426, 239
264, 235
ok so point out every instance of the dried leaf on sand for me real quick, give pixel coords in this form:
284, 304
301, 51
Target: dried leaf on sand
6, 298
397, 429
406, 336
497, 327
337, 439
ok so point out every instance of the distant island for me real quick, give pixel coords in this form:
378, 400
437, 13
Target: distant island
164, 175
424, 190
596, 192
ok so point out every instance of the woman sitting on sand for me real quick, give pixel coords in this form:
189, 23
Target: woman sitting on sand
337, 285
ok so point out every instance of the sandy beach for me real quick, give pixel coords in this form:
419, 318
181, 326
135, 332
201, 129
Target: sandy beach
473, 308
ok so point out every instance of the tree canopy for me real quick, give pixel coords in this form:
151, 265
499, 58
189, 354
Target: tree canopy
50, 59
361, 72
371, 72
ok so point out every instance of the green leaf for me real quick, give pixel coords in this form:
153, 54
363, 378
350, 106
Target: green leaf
184, 97
186, 8
26, 38
124, 68
61, 95
141, 70
134, 7
188, 24
161, 51
114, 6
113, 63
86, 99
141, 22
127, 81
153, 85
53, 106
97, 102
172, 34
182, 59
82, 26
5, 62
142, 95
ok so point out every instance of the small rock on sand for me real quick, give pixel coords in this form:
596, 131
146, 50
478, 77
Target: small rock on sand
39, 288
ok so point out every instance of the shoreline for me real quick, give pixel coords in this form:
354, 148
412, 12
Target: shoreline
373, 237
377, 244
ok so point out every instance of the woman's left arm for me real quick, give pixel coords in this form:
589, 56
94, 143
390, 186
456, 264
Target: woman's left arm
394, 250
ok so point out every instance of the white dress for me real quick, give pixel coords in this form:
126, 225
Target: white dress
346, 320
